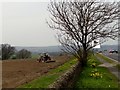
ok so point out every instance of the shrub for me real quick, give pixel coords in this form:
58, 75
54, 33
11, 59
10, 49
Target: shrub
13, 57
7, 51
22, 54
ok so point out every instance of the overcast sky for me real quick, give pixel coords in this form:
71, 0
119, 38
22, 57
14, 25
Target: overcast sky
24, 24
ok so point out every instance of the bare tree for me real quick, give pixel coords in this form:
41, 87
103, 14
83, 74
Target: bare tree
80, 23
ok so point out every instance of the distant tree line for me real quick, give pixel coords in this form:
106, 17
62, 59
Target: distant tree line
9, 52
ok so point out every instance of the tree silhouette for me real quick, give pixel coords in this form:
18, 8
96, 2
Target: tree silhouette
81, 23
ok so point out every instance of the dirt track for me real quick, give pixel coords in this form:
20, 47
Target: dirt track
17, 72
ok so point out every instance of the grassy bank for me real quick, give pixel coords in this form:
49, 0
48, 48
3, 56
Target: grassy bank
94, 76
45, 80
105, 58
118, 66
109, 60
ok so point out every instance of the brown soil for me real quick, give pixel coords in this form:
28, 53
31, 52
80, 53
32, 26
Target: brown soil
17, 72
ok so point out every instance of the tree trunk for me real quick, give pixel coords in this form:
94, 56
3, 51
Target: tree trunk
84, 58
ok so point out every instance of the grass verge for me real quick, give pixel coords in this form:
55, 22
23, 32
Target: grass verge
45, 80
105, 58
109, 60
97, 77
118, 66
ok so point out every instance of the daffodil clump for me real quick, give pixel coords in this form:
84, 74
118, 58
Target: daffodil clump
96, 74
92, 63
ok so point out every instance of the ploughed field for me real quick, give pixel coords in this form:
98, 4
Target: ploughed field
18, 72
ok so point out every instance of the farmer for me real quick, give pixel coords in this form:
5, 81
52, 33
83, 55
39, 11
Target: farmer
40, 58
46, 57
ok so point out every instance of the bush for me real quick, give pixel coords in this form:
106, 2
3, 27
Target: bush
13, 57
23, 54
7, 51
